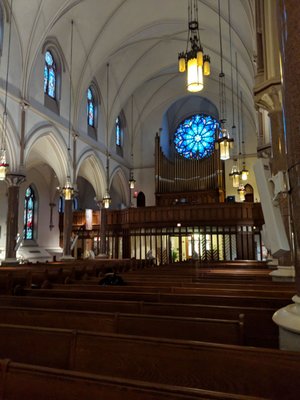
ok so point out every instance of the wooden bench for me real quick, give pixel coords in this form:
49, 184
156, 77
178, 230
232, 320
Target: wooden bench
230, 331
20, 381
259, 329
233, 369
217, 291
111, 294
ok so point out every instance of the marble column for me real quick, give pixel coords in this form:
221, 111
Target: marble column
285, 270
288, 318
12, 229
68, 222
103, 247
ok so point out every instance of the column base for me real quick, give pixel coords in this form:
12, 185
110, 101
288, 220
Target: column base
101, 256
283, 274
288, 320
67, 258
10, 262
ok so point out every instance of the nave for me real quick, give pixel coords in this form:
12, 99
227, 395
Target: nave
127, 329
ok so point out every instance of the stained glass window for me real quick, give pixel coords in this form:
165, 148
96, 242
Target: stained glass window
49, 75
195, 136
29, 206
91, 110
118, 132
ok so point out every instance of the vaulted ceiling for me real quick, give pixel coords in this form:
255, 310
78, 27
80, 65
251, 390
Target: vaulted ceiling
140, 39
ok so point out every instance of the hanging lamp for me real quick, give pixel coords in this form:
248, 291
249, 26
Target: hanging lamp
244, 172
68, 190
131, 176
223, 141
193, 60
107, 199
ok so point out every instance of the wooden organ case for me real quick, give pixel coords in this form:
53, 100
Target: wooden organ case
188, 181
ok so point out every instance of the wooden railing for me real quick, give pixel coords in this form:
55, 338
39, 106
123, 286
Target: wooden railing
222, 214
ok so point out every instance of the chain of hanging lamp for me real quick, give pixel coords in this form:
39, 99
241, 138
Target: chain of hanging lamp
223, 142
193, 60
244, 171
107, 199
3, 162
235, 173
68, 190
131, 176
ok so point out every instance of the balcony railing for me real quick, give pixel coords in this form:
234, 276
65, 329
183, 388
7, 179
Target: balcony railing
229, 214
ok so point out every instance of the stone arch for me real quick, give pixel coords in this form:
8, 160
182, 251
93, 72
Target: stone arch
56, 156
119, 189
90, 167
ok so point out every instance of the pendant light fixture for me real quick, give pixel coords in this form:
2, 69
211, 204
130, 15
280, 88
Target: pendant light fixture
131, 177
244, 172
3, 162
107, 199
241, 188
193, 60
223, 141
235, 173
68, 190
241, 192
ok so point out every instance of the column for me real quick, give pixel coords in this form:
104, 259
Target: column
102, 231
14, 181
68, 222
288, 318
285, 269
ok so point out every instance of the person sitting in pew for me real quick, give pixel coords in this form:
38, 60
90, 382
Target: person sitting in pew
111, 278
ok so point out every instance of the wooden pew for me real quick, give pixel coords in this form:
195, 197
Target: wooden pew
259, 329
111, 294
233, 369
217, 291
34, 382
228, 331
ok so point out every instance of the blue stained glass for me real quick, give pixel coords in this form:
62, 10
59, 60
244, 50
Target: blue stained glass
49, 75
51, 83
91, 110
48, 58
46, 77
195, 136
118, 132
29, 205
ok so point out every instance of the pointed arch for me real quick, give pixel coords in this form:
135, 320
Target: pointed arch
91, 168
48, 137
119, 185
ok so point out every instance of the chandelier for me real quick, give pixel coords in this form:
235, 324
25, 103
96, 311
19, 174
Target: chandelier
193, 60
235, 175
107, 199
241, 191
131, 180
68, 190
244, 172
223, 141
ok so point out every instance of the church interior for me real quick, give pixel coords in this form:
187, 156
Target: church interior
149, 189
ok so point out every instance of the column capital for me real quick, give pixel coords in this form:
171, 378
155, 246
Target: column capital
269, 97
24, 104
15, 179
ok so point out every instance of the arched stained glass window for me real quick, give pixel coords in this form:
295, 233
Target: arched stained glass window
118, 132
195, 136
91, 107
29, 207
50, 75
